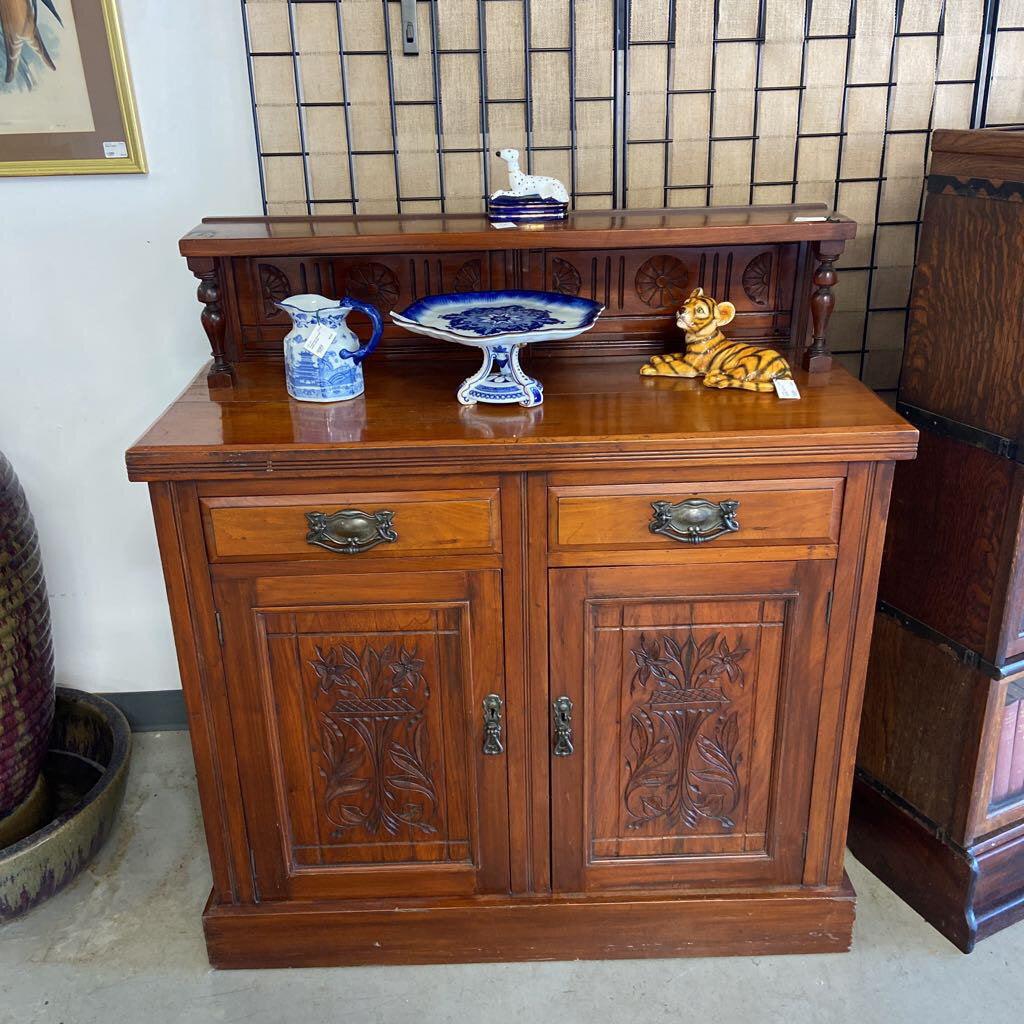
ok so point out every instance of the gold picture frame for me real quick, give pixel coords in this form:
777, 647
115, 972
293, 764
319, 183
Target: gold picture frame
71, 111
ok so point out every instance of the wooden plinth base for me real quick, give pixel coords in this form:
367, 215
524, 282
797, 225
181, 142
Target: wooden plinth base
559, 928
817, 363
967, 894
220, 378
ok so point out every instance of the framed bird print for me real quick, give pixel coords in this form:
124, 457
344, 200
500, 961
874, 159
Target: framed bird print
66, 103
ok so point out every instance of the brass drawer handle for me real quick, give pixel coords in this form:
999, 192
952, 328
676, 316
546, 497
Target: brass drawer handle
694, 521
561, 715
493, 705
350, 531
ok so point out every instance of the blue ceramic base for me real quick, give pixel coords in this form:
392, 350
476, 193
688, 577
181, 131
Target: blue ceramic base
501, 380
523, 209
334, 378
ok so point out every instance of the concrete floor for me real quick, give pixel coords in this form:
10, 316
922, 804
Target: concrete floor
124, 944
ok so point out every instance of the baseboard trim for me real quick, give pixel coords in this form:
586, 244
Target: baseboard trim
151, 710
580, 927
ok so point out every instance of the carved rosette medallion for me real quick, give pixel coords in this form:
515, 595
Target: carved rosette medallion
661, 282
374, 756
373, 283
274, 287
683, 762
565, 278
468, 278
757, 278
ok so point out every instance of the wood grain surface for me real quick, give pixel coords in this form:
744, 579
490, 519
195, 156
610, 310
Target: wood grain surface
600, 412
218, 236
426, 523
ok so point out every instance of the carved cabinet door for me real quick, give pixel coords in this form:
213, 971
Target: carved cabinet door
686, 755
366, 764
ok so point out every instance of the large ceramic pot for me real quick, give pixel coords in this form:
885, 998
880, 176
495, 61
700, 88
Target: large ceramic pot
86, 770
26, 655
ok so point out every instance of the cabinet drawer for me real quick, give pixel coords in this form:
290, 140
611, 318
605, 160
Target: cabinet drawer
352, 526
653, 516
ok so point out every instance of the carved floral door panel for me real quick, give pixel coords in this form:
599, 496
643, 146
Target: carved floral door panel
694, 715
369, 692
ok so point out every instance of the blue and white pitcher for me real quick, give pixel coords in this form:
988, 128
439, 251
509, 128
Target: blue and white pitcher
334, 373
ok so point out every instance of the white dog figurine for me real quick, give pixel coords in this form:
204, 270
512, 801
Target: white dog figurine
529, 184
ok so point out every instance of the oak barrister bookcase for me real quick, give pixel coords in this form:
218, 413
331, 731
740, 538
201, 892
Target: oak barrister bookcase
486, 705
938, 805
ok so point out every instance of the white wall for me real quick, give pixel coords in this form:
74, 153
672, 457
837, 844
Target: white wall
100, 330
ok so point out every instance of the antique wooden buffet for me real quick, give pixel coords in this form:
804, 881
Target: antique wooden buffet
517, 723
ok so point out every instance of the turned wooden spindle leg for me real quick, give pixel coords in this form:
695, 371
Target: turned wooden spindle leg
221, 374
817, 358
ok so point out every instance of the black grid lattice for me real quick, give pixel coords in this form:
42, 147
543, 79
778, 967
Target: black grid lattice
875, 298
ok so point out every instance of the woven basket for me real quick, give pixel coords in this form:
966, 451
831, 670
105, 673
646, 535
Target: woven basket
26, 655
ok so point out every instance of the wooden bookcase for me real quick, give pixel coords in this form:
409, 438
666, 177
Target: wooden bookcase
938, 813
529, 727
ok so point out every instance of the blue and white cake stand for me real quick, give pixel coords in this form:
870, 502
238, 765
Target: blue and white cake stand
500, 323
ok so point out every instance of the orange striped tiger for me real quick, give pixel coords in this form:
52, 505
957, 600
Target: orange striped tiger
709, 353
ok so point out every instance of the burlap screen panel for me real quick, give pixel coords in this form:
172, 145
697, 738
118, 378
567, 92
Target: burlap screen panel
640, 103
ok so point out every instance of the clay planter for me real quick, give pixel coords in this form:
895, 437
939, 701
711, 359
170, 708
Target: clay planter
26, 655
85, 771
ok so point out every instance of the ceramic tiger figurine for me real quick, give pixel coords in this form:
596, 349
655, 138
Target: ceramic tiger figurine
709, 353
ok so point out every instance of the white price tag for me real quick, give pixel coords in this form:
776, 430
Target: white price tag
319, 340
785, 387
807, 220
115, 150
502, 224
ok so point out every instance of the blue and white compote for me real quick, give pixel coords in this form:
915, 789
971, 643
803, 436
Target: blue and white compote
500, 323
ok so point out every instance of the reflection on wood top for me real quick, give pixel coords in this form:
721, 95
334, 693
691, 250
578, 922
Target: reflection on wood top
725, 225
599, 412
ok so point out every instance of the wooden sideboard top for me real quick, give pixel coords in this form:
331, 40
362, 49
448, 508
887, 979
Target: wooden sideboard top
596, 413
583, 229
986, 163
979, 142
